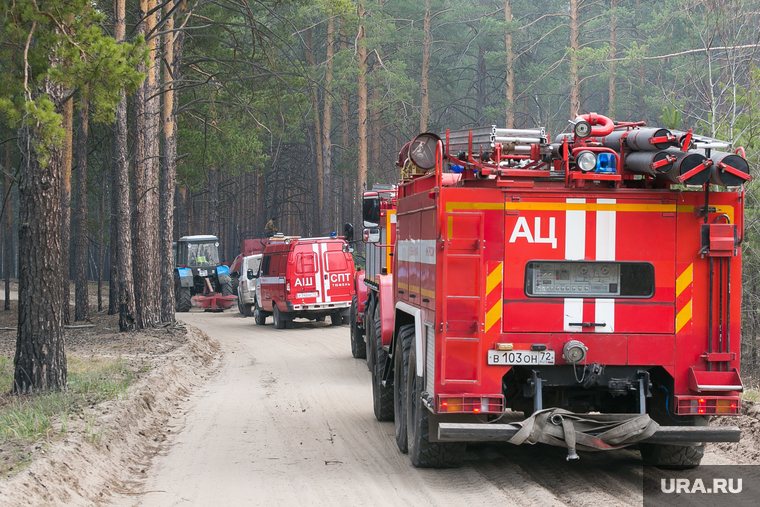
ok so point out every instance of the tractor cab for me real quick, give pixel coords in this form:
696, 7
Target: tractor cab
198, 270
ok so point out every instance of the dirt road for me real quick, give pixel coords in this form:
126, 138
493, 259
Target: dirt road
287, 420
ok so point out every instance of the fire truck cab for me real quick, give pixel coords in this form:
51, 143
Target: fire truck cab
575, 293
304, 278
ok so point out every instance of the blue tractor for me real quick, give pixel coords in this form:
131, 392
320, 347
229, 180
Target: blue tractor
198, 271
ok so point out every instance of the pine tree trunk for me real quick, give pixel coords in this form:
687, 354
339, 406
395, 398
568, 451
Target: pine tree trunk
319, 211
67, 123
510, 79
426, 41
40, 360
101, 237
575, 92
213, 201
113, 274
347, 193
261, 219
81, 293
7, 233
146, 255
121, 187
168, 173
361, 180
328, 208
375, 128
613, 54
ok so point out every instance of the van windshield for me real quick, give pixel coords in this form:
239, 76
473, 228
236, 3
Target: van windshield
202, 254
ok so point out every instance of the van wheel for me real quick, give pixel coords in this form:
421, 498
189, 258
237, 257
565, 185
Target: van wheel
258, 315
336, 319
400, 365
279, 322
382, 396
247, 310
423, 452
321, 318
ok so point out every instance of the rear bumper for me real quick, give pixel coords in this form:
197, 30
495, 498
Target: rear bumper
320, 307
672, 435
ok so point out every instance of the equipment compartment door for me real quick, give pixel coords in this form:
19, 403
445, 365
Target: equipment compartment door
570, 264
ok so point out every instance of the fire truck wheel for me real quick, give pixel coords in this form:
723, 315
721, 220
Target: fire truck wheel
184, 299
336, 319
369, 330
400, 365
279, 322
358, 347
423, 452
259, 316
382, 396
673, 457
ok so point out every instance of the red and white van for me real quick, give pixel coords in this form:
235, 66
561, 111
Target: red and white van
307, 278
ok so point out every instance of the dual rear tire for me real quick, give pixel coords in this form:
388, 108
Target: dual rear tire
280, 322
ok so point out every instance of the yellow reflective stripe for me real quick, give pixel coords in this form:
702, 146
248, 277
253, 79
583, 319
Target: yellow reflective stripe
494, 279
683, 317
685, 279
403, 286
473, 205
589, 206
493, 316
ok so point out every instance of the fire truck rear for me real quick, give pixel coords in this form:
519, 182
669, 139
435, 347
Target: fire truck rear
575, 292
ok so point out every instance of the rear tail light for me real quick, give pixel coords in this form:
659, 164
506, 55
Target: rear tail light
471, 404
708, 405
287, 287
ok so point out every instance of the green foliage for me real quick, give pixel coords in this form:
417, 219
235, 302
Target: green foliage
671, 117
64, 44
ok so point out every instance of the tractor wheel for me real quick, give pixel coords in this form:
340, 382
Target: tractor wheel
382, 396
184, 299
258, 315
423, 452
358, 347
336, 319
279, 322
369, 330
227, 289
400, 365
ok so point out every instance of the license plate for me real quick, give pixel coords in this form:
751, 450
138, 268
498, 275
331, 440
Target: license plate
528, 357
307, 294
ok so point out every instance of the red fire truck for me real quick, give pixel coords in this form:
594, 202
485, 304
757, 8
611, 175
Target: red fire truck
575, 292
304, 278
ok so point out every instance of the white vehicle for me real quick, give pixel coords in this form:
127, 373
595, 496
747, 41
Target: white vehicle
249, 273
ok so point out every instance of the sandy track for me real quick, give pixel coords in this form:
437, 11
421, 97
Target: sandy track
288, 421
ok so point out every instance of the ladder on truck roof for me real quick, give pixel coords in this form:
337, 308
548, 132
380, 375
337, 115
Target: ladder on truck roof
485, 139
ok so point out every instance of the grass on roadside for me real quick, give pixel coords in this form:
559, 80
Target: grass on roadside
90, 381
751, 394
